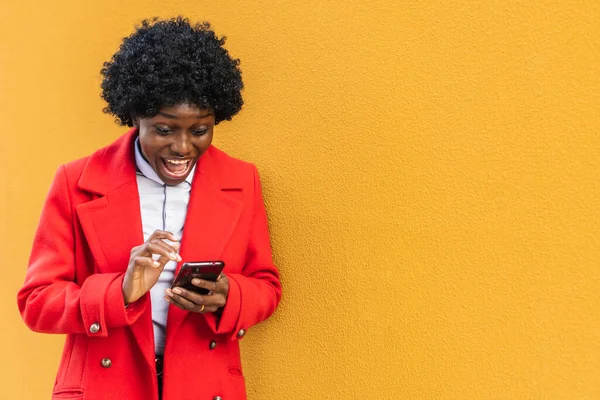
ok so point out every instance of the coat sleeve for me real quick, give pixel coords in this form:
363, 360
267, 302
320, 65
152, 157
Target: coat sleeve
51, 301
255, 293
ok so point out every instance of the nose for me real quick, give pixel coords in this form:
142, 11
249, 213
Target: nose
181, 145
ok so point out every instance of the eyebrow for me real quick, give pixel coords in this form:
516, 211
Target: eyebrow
171, 116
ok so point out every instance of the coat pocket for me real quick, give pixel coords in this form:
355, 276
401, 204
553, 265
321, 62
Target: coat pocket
236, 371
68, 394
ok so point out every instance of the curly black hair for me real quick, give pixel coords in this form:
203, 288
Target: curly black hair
169, 62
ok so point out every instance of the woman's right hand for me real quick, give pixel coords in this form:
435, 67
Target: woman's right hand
143, 271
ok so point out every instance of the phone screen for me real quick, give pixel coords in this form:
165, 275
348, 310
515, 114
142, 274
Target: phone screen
206, 270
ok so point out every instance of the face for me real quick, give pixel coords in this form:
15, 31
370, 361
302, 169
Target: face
174, 139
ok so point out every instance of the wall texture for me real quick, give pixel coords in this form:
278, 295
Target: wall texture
430, 170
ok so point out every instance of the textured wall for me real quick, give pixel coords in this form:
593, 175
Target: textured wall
430, 171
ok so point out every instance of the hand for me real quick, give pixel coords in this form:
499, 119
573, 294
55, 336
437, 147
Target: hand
143, 271
194, 302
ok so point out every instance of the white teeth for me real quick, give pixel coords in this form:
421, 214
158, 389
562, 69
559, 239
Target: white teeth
178, 161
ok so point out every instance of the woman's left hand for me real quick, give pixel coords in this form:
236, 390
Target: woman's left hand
194, 302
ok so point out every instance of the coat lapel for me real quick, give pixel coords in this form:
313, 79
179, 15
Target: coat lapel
111, 222
112, 225
212, 216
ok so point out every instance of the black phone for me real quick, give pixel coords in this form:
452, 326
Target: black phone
206, 270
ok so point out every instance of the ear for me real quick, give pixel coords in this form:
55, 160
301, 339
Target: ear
136, 121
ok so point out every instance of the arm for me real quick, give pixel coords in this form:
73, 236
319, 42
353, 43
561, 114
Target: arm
255, 293
51, 301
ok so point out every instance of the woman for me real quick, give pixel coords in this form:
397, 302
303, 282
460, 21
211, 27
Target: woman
117, 226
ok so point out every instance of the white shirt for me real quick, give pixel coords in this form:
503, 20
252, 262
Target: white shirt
163, 207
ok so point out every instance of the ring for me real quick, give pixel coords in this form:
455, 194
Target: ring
201, 308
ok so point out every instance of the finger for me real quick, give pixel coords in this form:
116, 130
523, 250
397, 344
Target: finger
163, 250
180, 300
171, 248
190, 296
205, 307
223, 284
147, 262
171, 300
199, 308
158, 234
223, 280
212, 302
208, 285
172, 251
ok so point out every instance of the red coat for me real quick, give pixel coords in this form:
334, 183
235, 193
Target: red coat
90, 222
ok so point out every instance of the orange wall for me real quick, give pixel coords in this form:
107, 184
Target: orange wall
430, 170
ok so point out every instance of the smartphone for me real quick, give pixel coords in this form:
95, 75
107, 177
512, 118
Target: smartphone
206, 270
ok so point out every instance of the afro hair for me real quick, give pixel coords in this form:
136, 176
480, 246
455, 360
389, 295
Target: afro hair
169, 62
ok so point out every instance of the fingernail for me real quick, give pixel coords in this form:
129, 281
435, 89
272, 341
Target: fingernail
178, 291
156, 263
196, 281
168, 292
179, 257
173, 256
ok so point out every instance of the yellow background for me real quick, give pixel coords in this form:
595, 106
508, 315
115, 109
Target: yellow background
430, 170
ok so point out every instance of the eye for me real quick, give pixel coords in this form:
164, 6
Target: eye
199, 132
162, 130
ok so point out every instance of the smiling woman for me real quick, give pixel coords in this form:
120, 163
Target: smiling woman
118, 225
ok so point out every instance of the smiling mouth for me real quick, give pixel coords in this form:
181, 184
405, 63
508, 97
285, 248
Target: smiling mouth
176, 168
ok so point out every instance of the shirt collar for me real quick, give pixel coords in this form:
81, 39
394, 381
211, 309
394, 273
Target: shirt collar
146, 169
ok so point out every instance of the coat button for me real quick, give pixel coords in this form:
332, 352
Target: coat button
217, 398
106, 363
213, 344
241, 333
95, 327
